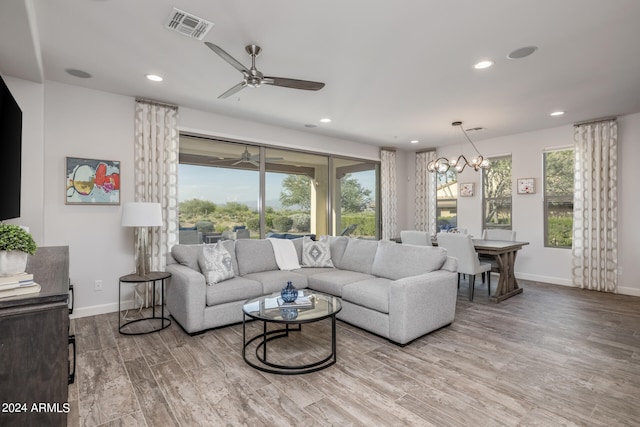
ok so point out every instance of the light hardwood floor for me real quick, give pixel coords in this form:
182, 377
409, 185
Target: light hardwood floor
550, 356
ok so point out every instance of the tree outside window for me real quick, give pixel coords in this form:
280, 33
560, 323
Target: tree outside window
447, 200
558, 198
496, 193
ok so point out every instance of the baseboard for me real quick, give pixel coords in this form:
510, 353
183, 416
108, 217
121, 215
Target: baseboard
635, 292
544, 279
95, 310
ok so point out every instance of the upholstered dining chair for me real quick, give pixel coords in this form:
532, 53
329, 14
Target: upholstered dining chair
415, 237
460, 246
498, 234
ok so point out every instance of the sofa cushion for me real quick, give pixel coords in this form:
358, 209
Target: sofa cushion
274, 281
310, 271
215, 263
236, 289
332, 282
316, 254
370, 293
255, 256
187, 255
395, 261
359, 255
338, 244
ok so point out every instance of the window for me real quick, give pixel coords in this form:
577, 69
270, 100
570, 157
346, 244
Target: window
447, 200
354, 207
496, 193
558, 198
224, 186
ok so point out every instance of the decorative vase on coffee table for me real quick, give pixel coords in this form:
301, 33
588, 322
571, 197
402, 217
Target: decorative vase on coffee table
289, 293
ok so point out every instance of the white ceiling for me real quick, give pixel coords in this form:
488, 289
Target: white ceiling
394, 70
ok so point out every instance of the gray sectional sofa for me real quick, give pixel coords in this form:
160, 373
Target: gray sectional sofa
399, 292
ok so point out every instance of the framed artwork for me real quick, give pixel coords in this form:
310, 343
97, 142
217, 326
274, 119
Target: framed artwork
466, 189
526, 185
92, 182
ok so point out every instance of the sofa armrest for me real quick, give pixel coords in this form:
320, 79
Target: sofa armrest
186, 296
420, 304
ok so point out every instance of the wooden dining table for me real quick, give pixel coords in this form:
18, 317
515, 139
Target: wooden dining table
505, 254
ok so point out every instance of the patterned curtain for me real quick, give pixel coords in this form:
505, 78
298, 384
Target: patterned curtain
595, 240
425, 203
156, 172
388, 190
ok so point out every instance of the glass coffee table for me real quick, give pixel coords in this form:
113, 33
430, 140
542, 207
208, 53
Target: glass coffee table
270, 310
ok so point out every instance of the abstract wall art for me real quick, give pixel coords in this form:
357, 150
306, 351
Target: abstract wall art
92, 182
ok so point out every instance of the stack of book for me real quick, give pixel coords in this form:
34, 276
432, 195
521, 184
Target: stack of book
17, 284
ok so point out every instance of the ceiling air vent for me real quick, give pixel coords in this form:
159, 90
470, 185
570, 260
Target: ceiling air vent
187, 24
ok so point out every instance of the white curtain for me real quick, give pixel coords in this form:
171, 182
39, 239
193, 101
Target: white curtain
389, 196
595, 239
425, 203
156, 172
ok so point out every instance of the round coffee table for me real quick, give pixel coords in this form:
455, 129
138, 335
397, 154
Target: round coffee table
270, 309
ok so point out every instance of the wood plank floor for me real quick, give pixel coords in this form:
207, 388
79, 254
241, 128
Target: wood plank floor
551, 356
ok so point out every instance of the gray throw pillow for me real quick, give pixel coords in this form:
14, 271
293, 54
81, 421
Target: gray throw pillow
215, 263
316, 254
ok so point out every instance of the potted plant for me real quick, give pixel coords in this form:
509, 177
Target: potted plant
15, 245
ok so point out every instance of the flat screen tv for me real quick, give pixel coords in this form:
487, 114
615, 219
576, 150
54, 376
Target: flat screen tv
10, 153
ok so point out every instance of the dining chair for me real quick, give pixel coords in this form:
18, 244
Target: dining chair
460, 246
415, 237
497, 234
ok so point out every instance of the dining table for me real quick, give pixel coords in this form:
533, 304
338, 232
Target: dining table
505, 253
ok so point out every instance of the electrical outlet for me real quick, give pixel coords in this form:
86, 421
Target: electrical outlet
619, 271
98, 285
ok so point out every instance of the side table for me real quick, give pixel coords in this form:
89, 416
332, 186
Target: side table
152, 277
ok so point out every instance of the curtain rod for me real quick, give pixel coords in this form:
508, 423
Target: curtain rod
592, 121
158, 103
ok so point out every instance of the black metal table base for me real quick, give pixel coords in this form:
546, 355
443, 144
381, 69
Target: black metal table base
165, 322
274, 368
153, 278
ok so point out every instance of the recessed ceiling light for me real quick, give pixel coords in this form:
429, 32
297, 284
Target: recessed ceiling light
523, 52
483, 64
557, 113
326, 120
78, 73
414, 141
154, 77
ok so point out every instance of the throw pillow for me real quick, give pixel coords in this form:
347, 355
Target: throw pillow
215, 263
316, 254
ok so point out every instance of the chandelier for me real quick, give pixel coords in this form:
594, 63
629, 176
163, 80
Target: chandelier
442, 164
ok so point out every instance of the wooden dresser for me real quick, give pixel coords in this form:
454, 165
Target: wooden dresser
34, 346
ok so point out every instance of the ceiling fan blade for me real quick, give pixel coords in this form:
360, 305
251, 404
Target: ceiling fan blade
230, 59
293, 83
237, 163
236, 88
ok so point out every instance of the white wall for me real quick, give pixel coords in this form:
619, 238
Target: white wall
62, 120
535, 262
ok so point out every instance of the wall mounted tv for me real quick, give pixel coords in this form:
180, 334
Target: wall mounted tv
10, 153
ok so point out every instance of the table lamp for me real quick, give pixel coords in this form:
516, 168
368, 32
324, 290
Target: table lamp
142, 215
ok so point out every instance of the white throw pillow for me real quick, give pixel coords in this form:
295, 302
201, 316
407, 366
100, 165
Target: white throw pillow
316, 254
215, 263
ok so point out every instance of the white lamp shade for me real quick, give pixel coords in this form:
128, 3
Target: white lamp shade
137, 214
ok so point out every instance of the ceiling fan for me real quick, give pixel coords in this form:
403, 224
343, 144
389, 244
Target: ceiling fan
254, 78
246, 157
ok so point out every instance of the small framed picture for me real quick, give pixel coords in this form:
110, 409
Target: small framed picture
526, 185
466, 189
92, 181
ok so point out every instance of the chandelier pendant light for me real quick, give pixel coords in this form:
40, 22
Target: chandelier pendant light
442, 164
